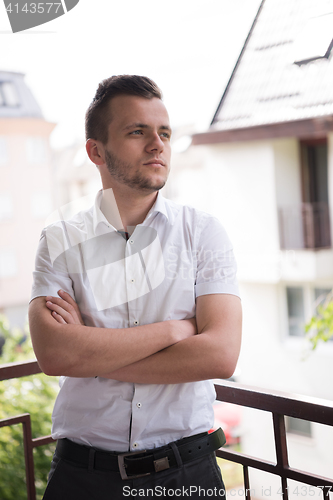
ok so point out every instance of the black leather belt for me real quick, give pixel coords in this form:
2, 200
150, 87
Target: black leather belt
143, 462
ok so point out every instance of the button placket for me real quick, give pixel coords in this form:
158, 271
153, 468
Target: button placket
138, 418
130, 280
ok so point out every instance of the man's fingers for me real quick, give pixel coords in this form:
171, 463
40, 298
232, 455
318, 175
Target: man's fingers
70, 313
60, 311
59, 318
65, 296
60, 302
66, 307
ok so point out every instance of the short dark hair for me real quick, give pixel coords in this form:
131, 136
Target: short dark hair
96, 122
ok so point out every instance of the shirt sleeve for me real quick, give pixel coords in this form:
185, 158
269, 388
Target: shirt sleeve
50, 275
216, 264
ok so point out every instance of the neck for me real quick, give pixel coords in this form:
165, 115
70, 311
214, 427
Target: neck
125, 210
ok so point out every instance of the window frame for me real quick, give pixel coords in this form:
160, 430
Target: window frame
309, 300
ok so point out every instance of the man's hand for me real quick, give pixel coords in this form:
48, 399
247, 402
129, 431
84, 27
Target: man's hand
64, 309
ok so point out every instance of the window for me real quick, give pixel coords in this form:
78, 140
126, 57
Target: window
314, 181
295, 302
6, 206
320, 295
302, 304
3, 151
36, 150
316, 40
298, 426
307, 224
8, 263
8, 95
314, 171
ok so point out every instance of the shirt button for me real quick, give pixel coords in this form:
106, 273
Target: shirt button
131, 242
136, 322
138, 405
135, 445
132, 280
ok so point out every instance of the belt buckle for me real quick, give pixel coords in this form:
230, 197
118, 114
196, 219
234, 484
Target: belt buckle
122, 466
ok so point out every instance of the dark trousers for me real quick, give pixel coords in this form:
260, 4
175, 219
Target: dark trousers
200, 478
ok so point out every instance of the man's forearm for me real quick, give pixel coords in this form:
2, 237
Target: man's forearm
211, 354
167, 352
197, 358
80, 351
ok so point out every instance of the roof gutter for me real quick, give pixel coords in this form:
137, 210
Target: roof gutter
302, 129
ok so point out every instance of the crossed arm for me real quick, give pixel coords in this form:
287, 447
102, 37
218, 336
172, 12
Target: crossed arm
168, 352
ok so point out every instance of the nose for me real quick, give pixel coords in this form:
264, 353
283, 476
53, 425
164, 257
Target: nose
155, 143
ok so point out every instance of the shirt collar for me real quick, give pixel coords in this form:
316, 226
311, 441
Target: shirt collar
160, 206
98, 216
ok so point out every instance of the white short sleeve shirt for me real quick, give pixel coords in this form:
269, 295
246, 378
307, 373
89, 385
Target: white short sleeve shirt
175, 255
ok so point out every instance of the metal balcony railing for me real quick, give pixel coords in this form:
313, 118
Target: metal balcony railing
278, 404
306, 225
18, 370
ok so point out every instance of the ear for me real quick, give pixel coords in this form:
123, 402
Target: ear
95, 151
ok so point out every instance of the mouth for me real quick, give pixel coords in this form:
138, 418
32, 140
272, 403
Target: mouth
155, 163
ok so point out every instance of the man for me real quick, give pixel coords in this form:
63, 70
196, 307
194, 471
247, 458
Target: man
136, 306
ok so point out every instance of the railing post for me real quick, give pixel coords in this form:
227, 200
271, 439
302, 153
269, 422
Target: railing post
281, 450
28, 457
309, 235
28, 445
246, 483
326, 493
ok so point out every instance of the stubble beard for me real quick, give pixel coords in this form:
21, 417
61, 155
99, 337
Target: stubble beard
119, 170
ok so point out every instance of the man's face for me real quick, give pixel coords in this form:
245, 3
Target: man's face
137, 153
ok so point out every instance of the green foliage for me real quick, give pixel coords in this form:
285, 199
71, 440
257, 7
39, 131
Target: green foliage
35, 395
320, 326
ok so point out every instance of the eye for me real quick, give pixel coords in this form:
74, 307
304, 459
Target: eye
136, 132
166, 135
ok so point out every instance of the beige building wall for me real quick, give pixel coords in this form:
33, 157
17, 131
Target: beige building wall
26, 199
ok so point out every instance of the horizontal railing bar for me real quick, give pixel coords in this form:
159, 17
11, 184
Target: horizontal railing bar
292, 405
41, 441
273, 468
18, 419
19, 369
313, 409
247, 461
